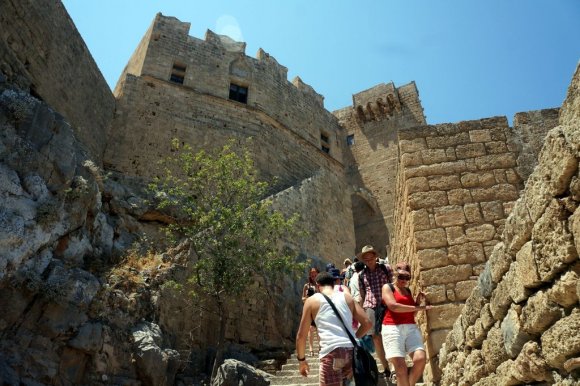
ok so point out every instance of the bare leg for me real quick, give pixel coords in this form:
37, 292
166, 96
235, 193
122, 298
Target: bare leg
311, 339
380, 350
419, 359
401, 371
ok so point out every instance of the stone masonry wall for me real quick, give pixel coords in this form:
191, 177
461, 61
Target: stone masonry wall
41, 50
212, 64
520, 325
372, 159
457, 184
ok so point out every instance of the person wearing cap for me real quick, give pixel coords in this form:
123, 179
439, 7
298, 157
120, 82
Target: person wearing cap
371, 281
336, 349
338, 277
400, 333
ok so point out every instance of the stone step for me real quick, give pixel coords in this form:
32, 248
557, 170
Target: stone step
295, 379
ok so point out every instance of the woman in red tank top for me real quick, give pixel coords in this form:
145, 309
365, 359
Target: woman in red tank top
400, 334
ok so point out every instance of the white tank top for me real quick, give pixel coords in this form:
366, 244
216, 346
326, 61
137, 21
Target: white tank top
330, 329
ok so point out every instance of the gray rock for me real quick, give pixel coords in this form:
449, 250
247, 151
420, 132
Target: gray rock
36, 187
9, 181
156, 366
236, 373
89, 338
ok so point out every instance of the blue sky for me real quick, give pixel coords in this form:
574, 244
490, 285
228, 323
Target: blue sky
470, 59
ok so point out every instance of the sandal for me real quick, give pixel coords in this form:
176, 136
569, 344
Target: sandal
311, 353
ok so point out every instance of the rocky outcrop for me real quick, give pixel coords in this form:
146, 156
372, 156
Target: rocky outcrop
520, 324
234, 373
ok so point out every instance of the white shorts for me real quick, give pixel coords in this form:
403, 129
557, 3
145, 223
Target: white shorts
400, 340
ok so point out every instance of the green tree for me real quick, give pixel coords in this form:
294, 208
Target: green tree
223, 210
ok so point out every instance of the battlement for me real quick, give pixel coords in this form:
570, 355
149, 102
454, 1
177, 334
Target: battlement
385, 100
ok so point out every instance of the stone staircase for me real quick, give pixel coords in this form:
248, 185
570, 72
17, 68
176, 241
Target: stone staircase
290, 376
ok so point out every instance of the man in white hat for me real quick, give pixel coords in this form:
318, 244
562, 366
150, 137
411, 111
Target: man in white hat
371, 281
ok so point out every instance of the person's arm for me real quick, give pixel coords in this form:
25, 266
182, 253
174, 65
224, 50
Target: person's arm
359, 315
362, 288
302, 335
354, 290
389, 300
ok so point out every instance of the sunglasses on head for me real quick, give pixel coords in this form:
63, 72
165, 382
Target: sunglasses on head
404, 277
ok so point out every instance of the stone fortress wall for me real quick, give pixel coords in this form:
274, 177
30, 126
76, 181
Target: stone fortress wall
33, 55
456, 186
439, 196
287, 122
372, 159
520, 324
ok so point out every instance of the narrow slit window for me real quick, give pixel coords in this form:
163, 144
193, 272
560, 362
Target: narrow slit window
350, 139
324, 137
238, 93
325, 149
178, 73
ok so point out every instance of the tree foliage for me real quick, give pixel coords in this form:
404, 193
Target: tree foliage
224, 213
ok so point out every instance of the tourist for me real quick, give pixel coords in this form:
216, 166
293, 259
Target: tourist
347, 267
353, 284
400, 333
371, 281
308, 290
336, 349
338, 278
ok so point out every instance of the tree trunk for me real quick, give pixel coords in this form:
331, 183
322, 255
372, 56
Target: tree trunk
219, 355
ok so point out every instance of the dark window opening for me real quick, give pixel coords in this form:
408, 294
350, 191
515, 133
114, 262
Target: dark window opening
324, 138
238, 93
350, 139
326, 149
178, 73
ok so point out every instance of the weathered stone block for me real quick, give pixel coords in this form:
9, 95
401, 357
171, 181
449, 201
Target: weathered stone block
433, 156
574, 226
427, 199
493, 349
500, 177
530, 365
444, 168
518, 227
496, 161
480, 233
456, 337
436, 294
540, 313
470, 253
455, 235
437, 339
449, 216
496, 147
444, 182
464, 288
514, 336
459, 197
475, 368
443, 316
484, 283
557, 172
562, 340
470, 150
500, 300
553, 242
469, 180
449, 274
473, 213
473, 306
448, 140
499, 262
417, 184
420, 219
492, 210
563, 292
432, 258
412, 145
483, 135
527, 270
432, 238
411, 159
518, 292
487, 179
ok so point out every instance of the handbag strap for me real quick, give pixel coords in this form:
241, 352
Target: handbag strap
352, 339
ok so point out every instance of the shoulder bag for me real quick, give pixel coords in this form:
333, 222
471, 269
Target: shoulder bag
364, 366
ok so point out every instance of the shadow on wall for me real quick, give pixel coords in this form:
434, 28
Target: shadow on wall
369, 223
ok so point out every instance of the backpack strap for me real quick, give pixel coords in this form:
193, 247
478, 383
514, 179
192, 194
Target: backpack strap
352, 339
